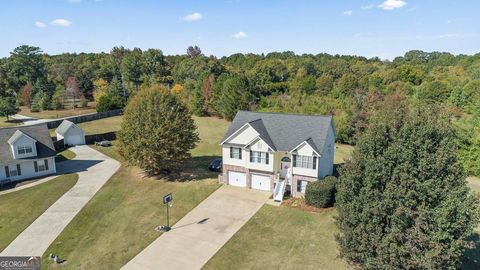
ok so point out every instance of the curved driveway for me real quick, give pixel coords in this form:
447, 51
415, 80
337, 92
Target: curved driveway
94, 169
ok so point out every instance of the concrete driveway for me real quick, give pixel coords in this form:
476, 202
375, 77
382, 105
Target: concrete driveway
94, 169
189, 245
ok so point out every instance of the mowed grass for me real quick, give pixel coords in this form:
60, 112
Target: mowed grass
282, 238
11, 123
20, 208
53, 114
102, 125
64, 155
120, 219
474, 183
342, 153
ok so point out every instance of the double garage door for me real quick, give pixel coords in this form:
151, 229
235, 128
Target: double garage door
260, 182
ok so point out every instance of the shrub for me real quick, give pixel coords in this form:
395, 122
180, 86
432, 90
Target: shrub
321, 193
109, 102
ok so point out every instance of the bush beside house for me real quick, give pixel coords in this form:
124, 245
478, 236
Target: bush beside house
321, 193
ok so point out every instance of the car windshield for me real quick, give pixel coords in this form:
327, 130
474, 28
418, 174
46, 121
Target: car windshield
216, 162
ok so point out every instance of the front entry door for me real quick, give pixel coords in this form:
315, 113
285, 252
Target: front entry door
285, 165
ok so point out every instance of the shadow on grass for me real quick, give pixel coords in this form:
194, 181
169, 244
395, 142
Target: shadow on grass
195, 168
471, 258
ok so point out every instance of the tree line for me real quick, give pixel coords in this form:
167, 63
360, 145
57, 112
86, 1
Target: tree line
351, 88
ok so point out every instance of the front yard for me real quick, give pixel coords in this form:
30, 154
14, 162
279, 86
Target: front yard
120, 219
11, 123
20, 208
282, 238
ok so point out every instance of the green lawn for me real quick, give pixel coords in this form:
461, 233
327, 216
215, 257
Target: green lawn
102, 126
53, 114
64, 155
342, 152
20, 208
119, 220
474, 183
282, 238
11, 123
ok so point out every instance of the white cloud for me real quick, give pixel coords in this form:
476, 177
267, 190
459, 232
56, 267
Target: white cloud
370, 6
61, 22
40, 24
240, 35
392, 4
193, 17
348, 12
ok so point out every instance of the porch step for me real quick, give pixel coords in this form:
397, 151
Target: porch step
279, 191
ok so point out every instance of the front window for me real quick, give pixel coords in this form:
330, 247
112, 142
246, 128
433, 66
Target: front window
24, 149
304, 162
13, 172
235, 152
302, 185
259, 157
41, 167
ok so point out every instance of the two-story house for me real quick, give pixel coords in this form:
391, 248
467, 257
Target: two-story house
26, 152
277, 152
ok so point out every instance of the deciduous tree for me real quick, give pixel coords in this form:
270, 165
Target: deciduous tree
164, 136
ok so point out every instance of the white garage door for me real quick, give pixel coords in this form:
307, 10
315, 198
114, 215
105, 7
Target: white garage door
261, 182
75, 140
237, 179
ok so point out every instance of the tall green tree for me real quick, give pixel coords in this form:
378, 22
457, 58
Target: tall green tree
235, 96
25, 64
8, 106
403, 201
164, 136
132, 68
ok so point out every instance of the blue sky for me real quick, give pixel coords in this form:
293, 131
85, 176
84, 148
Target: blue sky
363, 27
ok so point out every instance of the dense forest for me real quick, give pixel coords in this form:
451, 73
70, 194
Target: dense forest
351, 88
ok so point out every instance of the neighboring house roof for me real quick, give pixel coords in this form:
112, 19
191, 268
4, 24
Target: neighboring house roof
285, 131
65, 126
39, 133
17, 135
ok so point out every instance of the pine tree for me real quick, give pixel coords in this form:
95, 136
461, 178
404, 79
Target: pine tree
403, 201
164, 136
234, 96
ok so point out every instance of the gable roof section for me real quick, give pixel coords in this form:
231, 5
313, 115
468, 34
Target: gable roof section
38, 132
66, 125
285, 131
262, 132
17, 135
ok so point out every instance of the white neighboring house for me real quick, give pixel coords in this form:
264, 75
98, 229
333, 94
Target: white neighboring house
70, 133
26, 152
277, 152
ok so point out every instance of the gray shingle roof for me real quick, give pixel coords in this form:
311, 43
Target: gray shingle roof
285, 131
64, 127
38, 132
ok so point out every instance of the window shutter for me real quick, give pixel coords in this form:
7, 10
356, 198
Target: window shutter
240, 152
46, 164
231, 152
251, 156
7, 171
314, 163
299, 185
35, 165
266, 158
294, 160
19, 170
